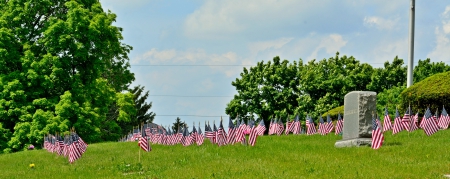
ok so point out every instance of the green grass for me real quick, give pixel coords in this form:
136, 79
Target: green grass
405, 155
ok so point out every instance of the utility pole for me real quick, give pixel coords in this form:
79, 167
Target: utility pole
409, 80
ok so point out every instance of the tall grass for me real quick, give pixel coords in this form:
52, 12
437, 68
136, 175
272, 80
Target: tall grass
404, 155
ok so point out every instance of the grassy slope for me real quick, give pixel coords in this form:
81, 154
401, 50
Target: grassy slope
404, 155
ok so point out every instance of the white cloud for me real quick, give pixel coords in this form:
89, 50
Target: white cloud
441, 51
381, 23
191, 56
256, 47
220, 18
331, 43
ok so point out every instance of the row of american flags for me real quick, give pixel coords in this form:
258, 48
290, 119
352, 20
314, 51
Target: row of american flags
237, 133
70, 146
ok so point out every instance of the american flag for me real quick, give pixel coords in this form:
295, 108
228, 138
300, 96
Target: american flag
280, 127
271, 127
339, 125
194, 133
444, 120
74, 150
321, 126
310, 127
288, 126
435, 117
397, 123
377, 135
329, 126
240, 136
186, 140
429, 125
143, 142
414, 120
259, 130
208, 132
295, 127
231, 132
199, 135
221, 135
387, 124
406, 120
215, 133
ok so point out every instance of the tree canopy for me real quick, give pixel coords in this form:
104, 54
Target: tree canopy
62, 64
278, 88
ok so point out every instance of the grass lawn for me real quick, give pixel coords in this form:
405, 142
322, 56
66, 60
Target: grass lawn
404, 155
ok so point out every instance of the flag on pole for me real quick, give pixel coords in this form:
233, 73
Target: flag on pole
271, 127
200, 138
377, 135
339, 125
310, 127
231, 131
429, 125
221, 135
295, 127
397, 123
143, 142
387, 124
288, 126
406, 120
321, 126
444, 119
329, 126
280, 128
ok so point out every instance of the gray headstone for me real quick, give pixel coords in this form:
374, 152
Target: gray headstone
359, 106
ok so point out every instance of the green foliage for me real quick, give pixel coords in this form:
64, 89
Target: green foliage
426, 69
279, 88
267, 89
389, 98
178, 125
423, 156
393, 74
433, 92
61, 65
335, 112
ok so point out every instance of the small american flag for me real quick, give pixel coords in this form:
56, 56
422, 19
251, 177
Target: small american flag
429, 125
199, 140
143, 142
377, 135
295, 127
288, 126
271, 127
240, 136
387, 124
329, 126
231, 131
444, 120
186, 140
221, 135
321, 126
406, 120
397, 123
280, 127
339, 125
311, 128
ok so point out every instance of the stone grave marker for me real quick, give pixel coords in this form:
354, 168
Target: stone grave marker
359, 106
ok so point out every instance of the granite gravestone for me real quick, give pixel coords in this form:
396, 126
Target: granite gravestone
359, 106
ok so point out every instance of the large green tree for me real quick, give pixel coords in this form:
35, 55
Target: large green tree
56, 58
267, 89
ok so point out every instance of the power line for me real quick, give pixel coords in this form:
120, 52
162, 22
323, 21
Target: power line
194, 96
193, 65
222, 65
190, 115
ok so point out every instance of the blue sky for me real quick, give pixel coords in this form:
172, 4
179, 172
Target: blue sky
236, 32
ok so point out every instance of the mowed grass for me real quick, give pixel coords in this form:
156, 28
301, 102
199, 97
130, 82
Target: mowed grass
404, 155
